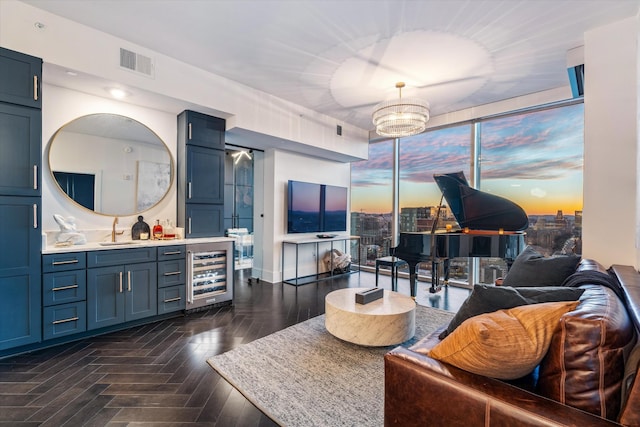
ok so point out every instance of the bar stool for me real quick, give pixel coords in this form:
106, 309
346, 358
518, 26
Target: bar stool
394, 263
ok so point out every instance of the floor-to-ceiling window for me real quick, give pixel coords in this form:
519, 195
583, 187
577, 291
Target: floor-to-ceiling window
533, 158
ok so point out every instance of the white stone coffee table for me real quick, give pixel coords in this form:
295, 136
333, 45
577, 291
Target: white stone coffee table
387, 321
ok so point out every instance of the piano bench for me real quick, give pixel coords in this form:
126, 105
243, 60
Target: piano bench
394, 263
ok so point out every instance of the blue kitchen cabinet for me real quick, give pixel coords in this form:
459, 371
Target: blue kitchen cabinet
20, 78
20, 199
119, 292
201, 167
20, 280
20, 141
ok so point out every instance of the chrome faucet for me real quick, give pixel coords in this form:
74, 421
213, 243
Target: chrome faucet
114, 233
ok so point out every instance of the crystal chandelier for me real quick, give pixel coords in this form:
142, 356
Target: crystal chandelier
401, 117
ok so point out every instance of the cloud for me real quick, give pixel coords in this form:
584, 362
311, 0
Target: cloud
538, 192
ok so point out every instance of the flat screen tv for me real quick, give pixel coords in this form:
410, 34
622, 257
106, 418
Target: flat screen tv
316, 208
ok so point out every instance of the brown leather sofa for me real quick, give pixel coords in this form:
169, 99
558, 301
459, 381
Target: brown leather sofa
589, 376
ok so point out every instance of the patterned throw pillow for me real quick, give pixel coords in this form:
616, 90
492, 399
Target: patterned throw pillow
488, 298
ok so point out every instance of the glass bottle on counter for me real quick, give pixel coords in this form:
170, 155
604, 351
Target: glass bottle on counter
169, 232
157, 230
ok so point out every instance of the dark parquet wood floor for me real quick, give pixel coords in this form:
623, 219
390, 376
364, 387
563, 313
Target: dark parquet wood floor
157, 375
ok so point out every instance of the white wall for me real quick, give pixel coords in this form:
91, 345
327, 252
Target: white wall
280, 167
610, 219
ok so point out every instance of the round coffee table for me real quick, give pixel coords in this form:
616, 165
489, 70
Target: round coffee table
387, 321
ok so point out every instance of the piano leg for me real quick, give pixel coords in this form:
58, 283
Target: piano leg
413, 278
435, 278
446, 271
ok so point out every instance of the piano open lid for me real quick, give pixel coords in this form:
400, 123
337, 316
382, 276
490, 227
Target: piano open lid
476, 210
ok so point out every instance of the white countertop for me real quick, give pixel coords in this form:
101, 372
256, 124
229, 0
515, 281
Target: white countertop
131, 244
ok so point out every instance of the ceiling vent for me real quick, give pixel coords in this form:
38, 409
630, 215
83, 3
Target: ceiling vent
135, 62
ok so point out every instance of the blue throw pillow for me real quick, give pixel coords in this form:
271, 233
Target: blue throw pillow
530, 268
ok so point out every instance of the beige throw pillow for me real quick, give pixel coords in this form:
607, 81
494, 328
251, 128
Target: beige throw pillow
505, 344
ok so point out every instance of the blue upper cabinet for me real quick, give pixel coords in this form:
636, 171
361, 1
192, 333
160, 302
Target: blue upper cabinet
20, 78
20, 141
203, 130
201, 168
205, 175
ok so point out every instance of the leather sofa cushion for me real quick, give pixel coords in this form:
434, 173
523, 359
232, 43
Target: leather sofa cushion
584, 365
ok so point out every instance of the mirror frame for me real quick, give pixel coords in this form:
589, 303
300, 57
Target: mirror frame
172, 173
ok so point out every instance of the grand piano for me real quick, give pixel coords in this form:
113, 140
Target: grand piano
489, 226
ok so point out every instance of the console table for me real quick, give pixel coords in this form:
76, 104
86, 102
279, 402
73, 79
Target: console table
344, 242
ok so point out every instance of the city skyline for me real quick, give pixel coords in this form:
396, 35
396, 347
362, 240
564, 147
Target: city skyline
534, 159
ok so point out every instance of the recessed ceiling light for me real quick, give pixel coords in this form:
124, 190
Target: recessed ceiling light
71, 73
118, 93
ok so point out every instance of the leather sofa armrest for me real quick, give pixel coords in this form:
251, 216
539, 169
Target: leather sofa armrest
422, 391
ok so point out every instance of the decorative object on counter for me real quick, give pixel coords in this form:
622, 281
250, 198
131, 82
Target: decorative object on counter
179, 232
140, 230
68, 233
157, 230
169, 232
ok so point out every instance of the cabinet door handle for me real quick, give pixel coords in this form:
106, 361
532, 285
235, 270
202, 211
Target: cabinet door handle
71, 261
172, 299
189, 190
189, 224
71, 319
35, 177
189, 131
35, 216
129, 280
121, 282
173, 273
64, 288
35, 87
172, 253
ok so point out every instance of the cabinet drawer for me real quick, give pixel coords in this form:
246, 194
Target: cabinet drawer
64, 262
171, 273
171, 299
64, 319
120, 256
64, 287
171, 252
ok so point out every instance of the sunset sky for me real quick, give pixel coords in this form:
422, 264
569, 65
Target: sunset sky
533, 159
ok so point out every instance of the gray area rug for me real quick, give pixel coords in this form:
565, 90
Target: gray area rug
304, 376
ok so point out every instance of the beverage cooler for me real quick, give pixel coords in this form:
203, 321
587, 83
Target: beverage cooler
210, 274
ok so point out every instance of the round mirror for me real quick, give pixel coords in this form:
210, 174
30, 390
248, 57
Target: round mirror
110, 164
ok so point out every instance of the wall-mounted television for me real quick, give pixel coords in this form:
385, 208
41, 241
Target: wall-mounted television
315, 208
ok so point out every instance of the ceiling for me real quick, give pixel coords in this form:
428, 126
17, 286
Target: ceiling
342, 57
